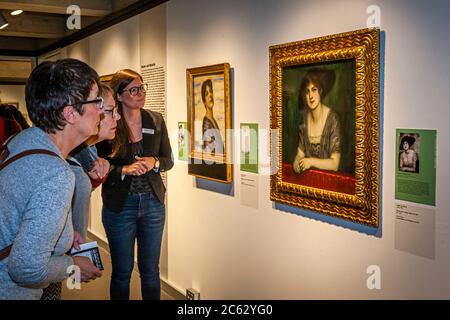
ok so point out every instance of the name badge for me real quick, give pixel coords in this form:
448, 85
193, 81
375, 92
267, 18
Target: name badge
148, 131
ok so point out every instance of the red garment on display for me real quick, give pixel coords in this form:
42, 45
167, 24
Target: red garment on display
327, 180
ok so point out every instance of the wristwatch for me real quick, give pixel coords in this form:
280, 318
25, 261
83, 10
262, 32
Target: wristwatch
156, 163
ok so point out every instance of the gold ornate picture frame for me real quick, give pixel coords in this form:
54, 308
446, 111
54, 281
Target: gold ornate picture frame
209, 122
324, 116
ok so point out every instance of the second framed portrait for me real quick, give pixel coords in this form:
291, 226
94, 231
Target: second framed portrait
325, 109
209, 122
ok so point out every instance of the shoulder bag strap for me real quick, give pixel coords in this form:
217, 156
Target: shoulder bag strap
27, 153
4, 253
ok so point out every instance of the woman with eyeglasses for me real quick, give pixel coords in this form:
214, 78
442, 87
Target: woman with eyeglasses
90, 171
36, 190
133, 194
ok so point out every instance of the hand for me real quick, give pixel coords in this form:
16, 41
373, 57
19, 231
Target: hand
149, 162
100, 169
296, 165
305, 164
87, 269
137, 168
77, 240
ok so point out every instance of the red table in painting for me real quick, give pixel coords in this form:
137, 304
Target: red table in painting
327, 180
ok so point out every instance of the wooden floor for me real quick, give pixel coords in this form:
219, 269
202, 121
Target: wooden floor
99, 289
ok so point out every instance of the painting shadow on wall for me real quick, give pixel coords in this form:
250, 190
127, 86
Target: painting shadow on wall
330, 220
215, 186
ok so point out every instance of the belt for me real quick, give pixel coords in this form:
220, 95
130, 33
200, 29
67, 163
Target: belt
140, 193
4, 253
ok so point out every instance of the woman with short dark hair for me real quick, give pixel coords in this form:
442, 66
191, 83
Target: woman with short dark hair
37, 189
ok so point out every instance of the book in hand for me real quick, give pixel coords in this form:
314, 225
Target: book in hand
91, 251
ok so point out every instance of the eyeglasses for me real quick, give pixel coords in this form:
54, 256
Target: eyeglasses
135, 90
99, 102
113, 112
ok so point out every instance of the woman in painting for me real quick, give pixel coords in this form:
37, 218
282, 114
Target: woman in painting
212, 140
319, 143
408, 156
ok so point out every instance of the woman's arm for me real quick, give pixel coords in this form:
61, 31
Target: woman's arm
331, 164
298, 157
104, 150
31, 262
165, 150
402, 164
164, 156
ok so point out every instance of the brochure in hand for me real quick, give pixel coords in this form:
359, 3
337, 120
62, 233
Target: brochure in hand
91, 251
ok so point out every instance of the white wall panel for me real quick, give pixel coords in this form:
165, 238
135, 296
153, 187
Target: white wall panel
226, 250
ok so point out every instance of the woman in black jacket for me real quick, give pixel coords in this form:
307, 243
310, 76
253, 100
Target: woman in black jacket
133, 195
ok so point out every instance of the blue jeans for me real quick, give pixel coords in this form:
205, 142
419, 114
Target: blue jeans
141, 218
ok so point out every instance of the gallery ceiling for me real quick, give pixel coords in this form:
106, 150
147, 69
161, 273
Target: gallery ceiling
43, 24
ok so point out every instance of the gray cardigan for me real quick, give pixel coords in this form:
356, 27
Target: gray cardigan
36, 193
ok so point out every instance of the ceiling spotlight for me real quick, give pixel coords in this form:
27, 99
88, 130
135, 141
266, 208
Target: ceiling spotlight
16, 12
3, 22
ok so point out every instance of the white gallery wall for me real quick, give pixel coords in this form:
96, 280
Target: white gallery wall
229, 251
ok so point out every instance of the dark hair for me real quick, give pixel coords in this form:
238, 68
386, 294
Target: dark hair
54, 85
204, 84
408, 139
120, 80
323, 79
10, 111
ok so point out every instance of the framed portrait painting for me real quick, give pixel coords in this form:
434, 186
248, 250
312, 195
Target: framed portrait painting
324, 107
209, 122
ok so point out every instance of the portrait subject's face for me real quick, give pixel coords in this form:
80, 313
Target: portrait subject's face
312, 96
209, 97
405, 145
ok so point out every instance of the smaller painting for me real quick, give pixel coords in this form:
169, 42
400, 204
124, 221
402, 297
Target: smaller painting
182, 143
249, 147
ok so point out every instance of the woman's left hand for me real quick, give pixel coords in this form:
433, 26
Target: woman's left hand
305, 164
100, 169
77, 240
148, 162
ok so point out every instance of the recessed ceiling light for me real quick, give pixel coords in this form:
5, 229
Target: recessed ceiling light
16, 12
